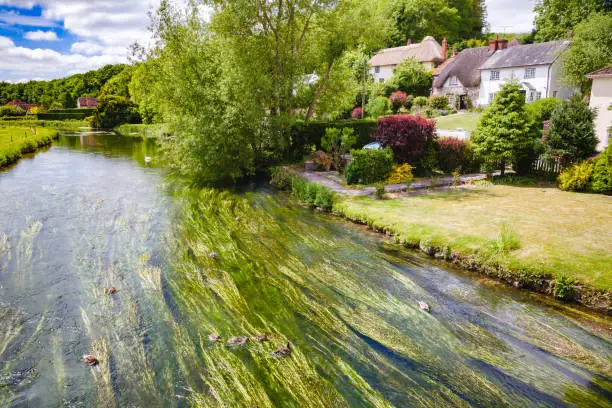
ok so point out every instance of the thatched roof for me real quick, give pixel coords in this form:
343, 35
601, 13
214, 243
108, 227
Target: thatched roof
465, 67
527, 54
426, 51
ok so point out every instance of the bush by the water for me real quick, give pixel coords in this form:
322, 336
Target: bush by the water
113, 111
305, 135
322, 161
311, 194
407, 136
369, 166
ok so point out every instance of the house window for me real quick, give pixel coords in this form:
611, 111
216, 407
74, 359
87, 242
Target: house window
538, 95
494, 75
381, 79
453, 80
491, 97
529, 73
554, 94
377, 70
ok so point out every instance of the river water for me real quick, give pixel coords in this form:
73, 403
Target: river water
89, 213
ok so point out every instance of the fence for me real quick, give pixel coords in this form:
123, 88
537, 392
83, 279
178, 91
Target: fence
547, 167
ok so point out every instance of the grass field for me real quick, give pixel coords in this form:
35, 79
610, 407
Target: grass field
15, 141
467, 121
556, 232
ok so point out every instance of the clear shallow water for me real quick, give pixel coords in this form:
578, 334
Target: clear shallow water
88, 213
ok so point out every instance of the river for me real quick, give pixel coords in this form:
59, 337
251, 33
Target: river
89, 213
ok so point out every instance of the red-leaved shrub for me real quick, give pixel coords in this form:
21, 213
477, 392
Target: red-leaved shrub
397, 99
406, 135
322, 161
357, 113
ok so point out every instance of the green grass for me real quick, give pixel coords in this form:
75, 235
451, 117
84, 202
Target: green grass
467, 121
538, 230
55, 124
17, 141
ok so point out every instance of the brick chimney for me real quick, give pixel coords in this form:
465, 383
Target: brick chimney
409, 42
444, 47
497, 44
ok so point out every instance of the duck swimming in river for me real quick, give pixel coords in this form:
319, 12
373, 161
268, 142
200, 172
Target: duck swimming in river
424, 306
90, 360
213, 337
284, 351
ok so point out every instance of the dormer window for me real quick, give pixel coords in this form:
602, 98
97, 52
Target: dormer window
530, 73
453, 81
494, 75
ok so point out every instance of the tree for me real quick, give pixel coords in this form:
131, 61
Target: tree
590, 50
541, 110
505, 132
115, 110
119, 84
554, 18
411, 77
571, 136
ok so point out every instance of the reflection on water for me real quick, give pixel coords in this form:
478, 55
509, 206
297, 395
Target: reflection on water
89, 213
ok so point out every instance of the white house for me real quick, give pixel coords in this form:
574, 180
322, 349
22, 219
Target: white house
428, 52
601, 99
536, 66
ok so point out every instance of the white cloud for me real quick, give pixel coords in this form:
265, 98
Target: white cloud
510, 16
39, 35
13, 18
86, 48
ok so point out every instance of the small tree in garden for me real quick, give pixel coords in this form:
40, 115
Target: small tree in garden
357, 113
504, 134
451, 154
409, 101
571, 136
420, 101
369, 166
397, 99
406, 135
378, 106
438, 102
411, 77
337, 142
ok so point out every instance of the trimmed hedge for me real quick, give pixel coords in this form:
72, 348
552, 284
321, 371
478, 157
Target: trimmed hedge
87, 111
305, 134
63, 116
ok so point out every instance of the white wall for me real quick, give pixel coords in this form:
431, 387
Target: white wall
386, 72
601, 99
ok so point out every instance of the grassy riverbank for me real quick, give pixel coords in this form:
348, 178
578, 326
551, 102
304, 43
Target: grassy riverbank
141, 130
17, 141
527, 234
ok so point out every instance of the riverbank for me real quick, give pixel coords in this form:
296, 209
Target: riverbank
142, 130
17, 141
550, 241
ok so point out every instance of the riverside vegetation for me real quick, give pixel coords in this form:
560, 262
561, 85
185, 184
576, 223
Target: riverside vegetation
17, 141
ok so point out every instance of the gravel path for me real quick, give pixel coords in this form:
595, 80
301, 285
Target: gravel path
335, 182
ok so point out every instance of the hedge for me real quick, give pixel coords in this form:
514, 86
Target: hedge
63, 116
310, 133
88, 111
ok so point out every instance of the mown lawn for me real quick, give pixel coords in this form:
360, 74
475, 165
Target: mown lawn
467, 121
560, 233
16, 141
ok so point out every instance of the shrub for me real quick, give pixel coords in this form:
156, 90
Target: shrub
115, 110
336, 143
409, 101
304, 135
311, 194
577, 177
357, 113
411, 77
406, 135
438, 102
280, 177
451, 154
541, 110
379, 190
378, 107
11, 111
369, 166
420, 101
397, 100
322, 161
602, 173
571, 135
400, 174
564, 287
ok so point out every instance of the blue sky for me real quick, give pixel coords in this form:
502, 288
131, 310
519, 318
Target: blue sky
46, 39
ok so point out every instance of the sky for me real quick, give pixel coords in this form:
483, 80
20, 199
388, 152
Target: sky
47, 39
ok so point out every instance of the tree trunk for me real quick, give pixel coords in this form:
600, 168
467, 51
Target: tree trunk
502, 167
318, 91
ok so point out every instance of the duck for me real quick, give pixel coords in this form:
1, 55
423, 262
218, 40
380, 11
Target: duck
424, 306
90, 360
238, 341
147, 159
213, 255
213, 337
112, 290
284, 351
261, 337
238, 219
